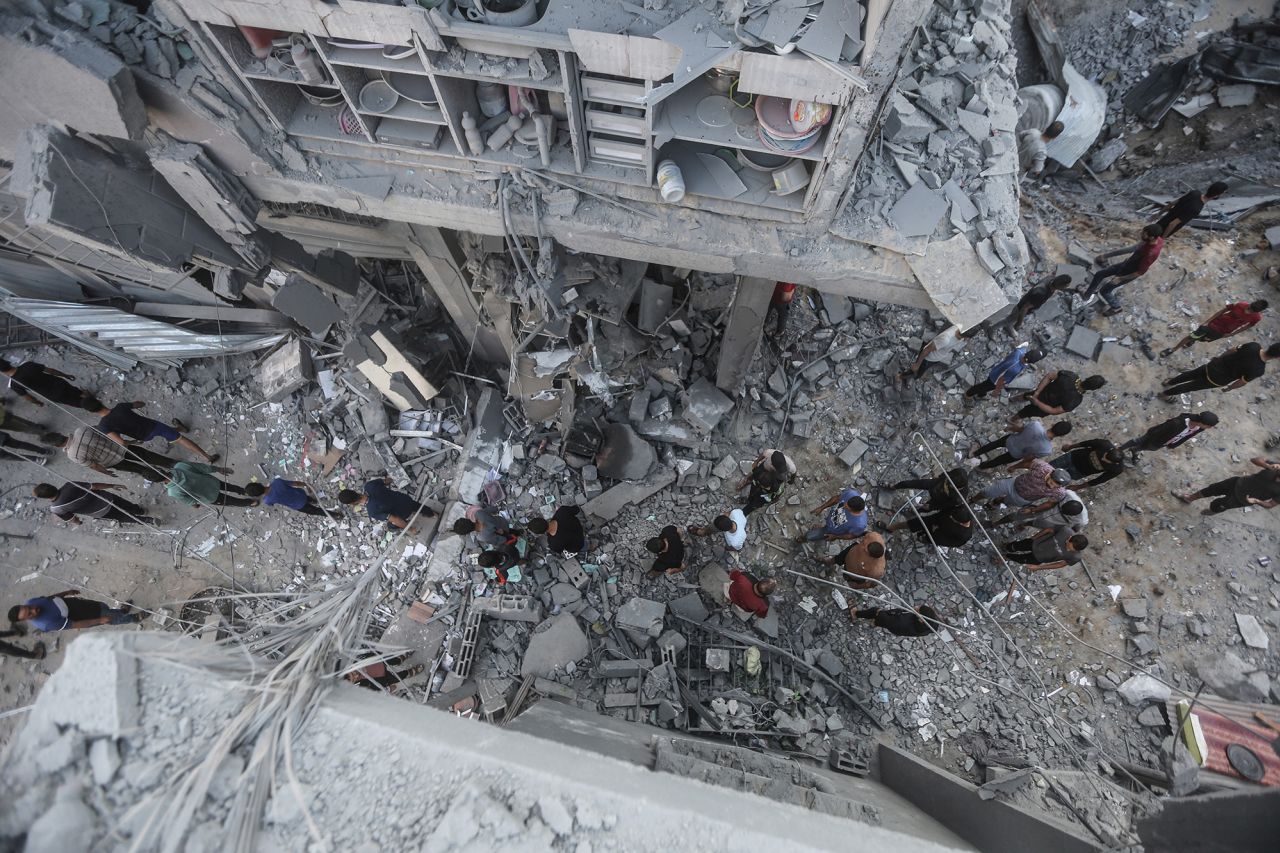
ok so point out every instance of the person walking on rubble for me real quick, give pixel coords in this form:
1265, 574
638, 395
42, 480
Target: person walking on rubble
1005, 371
67, 611
774, 461
17, 449
949, 527
1040, 482
1187, 207
732, 526
1231, 370
1069, 511
193, 484
784, 292
94, 450
933, 354
36, 652
1033, 147
1261, 489
946, 490
13, 423
902, 623
489, 527
1234, 318
862, 564
35, 383
749, 594
565, 531
291, 494
1023, 440
1097, 458
122, 421
1052, 548
1141, 258
384, 503
1174, 432
91, 500
669, 548
1035, 298
767, 487
1058, 393
844, 516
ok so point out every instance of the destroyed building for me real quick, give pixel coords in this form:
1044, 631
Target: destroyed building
522, 254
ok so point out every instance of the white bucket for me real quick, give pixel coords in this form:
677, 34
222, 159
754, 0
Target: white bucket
670, 181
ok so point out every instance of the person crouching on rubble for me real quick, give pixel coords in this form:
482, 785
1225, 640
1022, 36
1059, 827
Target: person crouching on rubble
502, 563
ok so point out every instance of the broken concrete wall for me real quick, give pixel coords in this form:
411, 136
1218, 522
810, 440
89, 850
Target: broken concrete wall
88, 196
216, 196
65, 79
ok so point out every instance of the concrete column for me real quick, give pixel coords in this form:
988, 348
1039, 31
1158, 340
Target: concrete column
434, 255
742, 332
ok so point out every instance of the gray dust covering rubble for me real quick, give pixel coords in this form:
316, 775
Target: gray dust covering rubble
585, 701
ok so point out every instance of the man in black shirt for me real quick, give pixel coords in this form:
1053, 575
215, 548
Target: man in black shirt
951, 527
1059, 392
122, 421
36, 383
1232, 369
565, 533
91, 500
1097, 456
670, 550
942, 494
1261, 489
1171, 433
766, 488
1186, 208
1035, 297
904, 623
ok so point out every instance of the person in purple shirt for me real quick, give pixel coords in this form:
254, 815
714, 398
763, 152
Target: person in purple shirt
66, 610
286, 493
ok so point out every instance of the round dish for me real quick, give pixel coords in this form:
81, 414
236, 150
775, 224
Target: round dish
377, 97
411, 87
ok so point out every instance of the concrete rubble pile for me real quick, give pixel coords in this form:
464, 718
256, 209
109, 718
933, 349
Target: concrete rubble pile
946, 162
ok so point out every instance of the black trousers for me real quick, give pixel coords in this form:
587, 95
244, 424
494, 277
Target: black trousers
758, 498
1196, 379
11, 443
995, 461
1031, 410
312, 508
143, 462
982, 389
1020, 552
10, 650
122, 510
1224, 492
914, 484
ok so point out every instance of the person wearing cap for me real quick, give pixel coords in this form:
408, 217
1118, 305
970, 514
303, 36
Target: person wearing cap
1005, 371
1040, 482
1172, 433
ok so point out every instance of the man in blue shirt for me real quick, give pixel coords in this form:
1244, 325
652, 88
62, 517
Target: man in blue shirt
286, 493
1005, 371
66, 610
845, 518
384, 503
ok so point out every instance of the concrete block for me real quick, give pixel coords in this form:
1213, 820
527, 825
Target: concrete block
705, 405
378, 355
988, 257
674, 641
639, 408
977, 126
624, 668
286, 370
513, 608
854, 452
1237, 95
655, 305
623, 454
1273, 236
908, 127
560, 642
102, 666
769, 624
917, 213
1251, 631
689, 607
1084, 342
641, 616
610, 503
621, 700
331, 270
307, 304
670, 432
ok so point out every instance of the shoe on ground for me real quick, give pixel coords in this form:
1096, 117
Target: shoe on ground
1165, 353
214, 457
178, 425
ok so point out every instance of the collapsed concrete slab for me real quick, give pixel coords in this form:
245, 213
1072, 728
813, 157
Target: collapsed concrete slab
378, 354
42, 81
286, 370
80, 193
306, 303
624, 455
610, 503
556, 645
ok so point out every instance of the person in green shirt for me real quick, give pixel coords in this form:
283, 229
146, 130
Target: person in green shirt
193, 484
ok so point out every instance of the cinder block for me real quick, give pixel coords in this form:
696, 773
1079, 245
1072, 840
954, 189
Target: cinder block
286, 370
513, 608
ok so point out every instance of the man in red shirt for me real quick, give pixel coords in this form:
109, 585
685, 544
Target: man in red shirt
1140, 259
749, 594
1236, 317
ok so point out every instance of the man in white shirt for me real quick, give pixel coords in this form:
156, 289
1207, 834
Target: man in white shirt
937, 351
733, 526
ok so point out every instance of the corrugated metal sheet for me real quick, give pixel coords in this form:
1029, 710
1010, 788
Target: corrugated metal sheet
123, 339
